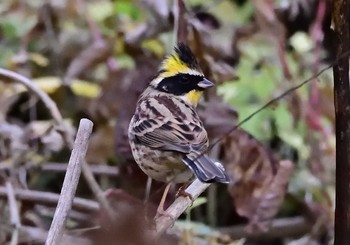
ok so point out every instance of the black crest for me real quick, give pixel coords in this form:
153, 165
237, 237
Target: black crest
185, 54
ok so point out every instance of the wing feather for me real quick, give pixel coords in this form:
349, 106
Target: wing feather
171, 135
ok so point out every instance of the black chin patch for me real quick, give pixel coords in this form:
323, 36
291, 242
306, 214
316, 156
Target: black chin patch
180, 84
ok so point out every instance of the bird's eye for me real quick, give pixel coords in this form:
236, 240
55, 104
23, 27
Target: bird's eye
184, 80
165, 87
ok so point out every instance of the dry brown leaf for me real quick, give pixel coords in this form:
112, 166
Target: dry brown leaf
259, 180
271, 199
252, 169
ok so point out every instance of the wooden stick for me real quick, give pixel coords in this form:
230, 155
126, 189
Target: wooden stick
179, 206
70, 182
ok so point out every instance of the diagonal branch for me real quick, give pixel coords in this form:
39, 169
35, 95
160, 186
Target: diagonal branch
179, 206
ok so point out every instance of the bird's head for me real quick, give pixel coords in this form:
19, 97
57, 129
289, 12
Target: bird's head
180, 75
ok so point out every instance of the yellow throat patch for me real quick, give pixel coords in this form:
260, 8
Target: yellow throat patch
194, 96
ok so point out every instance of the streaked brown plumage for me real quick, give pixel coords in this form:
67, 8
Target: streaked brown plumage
167, 138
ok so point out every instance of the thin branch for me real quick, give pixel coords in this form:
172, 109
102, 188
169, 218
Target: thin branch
96, 190
48, 198
96, 169
70, 182
14, 213
88, 172
279, 97
33, 235
49, 103
179, 206
57, 167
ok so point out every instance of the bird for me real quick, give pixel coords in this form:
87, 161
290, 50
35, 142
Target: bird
167, 138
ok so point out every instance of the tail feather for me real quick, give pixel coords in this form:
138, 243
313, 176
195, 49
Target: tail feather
206, 170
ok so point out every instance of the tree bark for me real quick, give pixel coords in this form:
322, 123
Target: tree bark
340, 16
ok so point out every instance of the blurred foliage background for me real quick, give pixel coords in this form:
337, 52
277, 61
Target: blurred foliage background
93, 58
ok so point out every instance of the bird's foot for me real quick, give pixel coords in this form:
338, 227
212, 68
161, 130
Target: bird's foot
182, 192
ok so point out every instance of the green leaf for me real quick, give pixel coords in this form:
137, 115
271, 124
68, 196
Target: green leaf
15, 26
127, 8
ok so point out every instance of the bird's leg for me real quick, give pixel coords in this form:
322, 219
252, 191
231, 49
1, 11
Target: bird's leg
160, 209
148, 189
147, 195
182, 192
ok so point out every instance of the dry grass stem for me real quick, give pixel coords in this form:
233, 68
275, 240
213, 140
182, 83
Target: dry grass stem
104, 170
33, 235
57, 167
14, 213
70, 182
95, 188
48, 198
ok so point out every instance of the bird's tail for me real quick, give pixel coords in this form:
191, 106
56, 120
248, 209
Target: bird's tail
206, 170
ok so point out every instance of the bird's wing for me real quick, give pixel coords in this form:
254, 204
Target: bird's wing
172, 135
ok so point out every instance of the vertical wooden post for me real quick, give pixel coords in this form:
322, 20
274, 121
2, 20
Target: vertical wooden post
340, 16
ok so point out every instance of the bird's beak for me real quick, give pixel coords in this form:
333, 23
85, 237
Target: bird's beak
205, 83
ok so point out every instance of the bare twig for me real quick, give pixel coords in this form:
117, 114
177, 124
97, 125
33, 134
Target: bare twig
14, 213
57, 167
49, 103
70, 182
74, 215
33, 235
95, 168
95, 188
48, 198
179, 206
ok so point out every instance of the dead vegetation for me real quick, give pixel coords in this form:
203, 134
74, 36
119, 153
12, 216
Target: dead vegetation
67, 60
